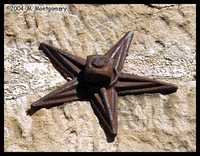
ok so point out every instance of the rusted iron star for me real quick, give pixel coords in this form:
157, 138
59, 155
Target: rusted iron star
99, 80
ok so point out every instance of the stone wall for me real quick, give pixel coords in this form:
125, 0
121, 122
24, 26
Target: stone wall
163, 47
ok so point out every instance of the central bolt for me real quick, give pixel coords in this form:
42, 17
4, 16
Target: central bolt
100, 62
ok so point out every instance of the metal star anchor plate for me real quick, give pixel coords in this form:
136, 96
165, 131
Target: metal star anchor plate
98, 79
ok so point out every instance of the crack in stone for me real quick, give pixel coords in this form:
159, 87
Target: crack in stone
159, 7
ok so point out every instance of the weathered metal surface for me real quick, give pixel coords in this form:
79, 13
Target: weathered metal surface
99, 80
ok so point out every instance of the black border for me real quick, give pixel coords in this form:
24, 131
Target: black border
2, 83
101, 2
197, 86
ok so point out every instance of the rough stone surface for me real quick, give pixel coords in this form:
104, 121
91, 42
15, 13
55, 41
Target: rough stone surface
164, 47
